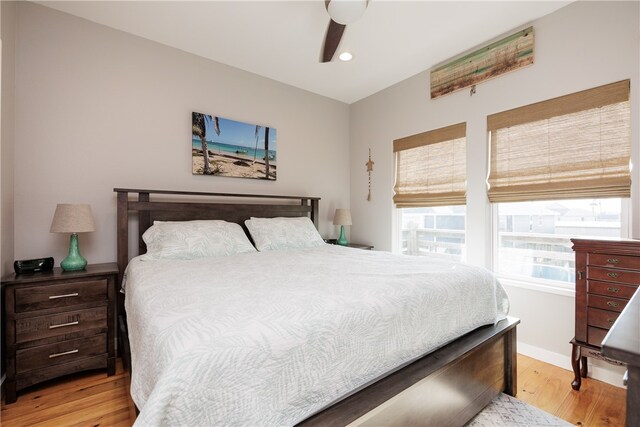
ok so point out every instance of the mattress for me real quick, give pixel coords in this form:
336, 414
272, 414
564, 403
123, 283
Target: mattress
270, 338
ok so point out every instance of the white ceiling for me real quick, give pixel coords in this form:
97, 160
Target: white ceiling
282, 40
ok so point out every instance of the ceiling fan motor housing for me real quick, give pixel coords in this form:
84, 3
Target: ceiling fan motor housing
346, 11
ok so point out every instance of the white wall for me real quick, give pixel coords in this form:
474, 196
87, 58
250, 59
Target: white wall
7, 34
97, 109
582, 45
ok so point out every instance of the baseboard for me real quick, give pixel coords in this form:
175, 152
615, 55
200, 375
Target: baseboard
598, 370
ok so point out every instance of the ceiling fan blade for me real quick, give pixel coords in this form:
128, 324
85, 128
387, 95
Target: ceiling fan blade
332, 40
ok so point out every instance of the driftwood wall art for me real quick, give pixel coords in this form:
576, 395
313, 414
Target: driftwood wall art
502, 56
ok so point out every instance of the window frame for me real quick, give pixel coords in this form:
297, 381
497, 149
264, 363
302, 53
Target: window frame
577, 102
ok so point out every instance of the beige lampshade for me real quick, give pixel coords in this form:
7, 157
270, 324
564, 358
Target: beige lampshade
72, 219
342, 217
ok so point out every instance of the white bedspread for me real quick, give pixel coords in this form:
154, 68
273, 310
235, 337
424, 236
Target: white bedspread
271, 338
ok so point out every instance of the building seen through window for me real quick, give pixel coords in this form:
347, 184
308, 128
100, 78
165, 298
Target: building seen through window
534, 237
434, 231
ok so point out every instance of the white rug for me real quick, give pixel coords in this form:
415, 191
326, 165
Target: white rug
507, 411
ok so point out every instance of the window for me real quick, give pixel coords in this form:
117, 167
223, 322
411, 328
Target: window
436, 231
559, 169
430, 192
533, 238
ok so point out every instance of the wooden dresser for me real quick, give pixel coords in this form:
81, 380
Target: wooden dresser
58, 323
607, 276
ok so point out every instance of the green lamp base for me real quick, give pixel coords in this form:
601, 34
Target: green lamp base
74, 261
342, 240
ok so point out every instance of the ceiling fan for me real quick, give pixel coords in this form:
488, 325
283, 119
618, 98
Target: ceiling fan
342, 13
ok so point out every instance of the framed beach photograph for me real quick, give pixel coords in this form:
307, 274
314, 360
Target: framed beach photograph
225, 147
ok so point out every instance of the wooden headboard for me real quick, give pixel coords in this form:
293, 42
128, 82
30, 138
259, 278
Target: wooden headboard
187, 205
180, 206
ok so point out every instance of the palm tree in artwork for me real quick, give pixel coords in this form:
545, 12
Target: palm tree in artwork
266, 149
199, 122
266, 152
255, 150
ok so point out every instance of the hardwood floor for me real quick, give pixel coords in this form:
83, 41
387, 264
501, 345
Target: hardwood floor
97, 400
548, 387
88, 399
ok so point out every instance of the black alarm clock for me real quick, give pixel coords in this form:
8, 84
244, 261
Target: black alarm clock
37, 265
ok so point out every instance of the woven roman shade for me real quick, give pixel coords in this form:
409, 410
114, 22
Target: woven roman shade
431, 168
574, 146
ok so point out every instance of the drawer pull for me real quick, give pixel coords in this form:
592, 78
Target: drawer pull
64, 353
613, 260
611, 320
579, 275
614, 275
612, 304
75, 294
62, 325
612, 289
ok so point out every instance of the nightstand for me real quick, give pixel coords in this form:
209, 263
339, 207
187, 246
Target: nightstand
58, 323
359, 246
350, 245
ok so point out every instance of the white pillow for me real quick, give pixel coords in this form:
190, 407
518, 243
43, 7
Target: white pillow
271, 234
195, 239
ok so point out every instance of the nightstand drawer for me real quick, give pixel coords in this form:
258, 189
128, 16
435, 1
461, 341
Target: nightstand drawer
611, 289
613, 275
61, 323
601, 318
62, 352
36, 376
616, 261
65, 294
606, 303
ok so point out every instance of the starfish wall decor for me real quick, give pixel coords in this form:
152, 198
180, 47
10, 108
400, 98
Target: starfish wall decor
369, 165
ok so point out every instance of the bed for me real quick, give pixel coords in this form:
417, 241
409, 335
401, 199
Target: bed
275, 338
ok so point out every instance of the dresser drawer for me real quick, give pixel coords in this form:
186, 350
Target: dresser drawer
62, 352
601, 318
616, 261
606, 303
596, 335
62, 295
613, 275
611, 289
61, 323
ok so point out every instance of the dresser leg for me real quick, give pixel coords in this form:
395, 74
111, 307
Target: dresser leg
584, 370
111, 366
10, 394
575, 364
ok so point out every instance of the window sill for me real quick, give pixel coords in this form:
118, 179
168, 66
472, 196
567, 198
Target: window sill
539, 287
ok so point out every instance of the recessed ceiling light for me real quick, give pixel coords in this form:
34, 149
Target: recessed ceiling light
345, 56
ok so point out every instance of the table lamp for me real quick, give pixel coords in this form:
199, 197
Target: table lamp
73, 219
342, 217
